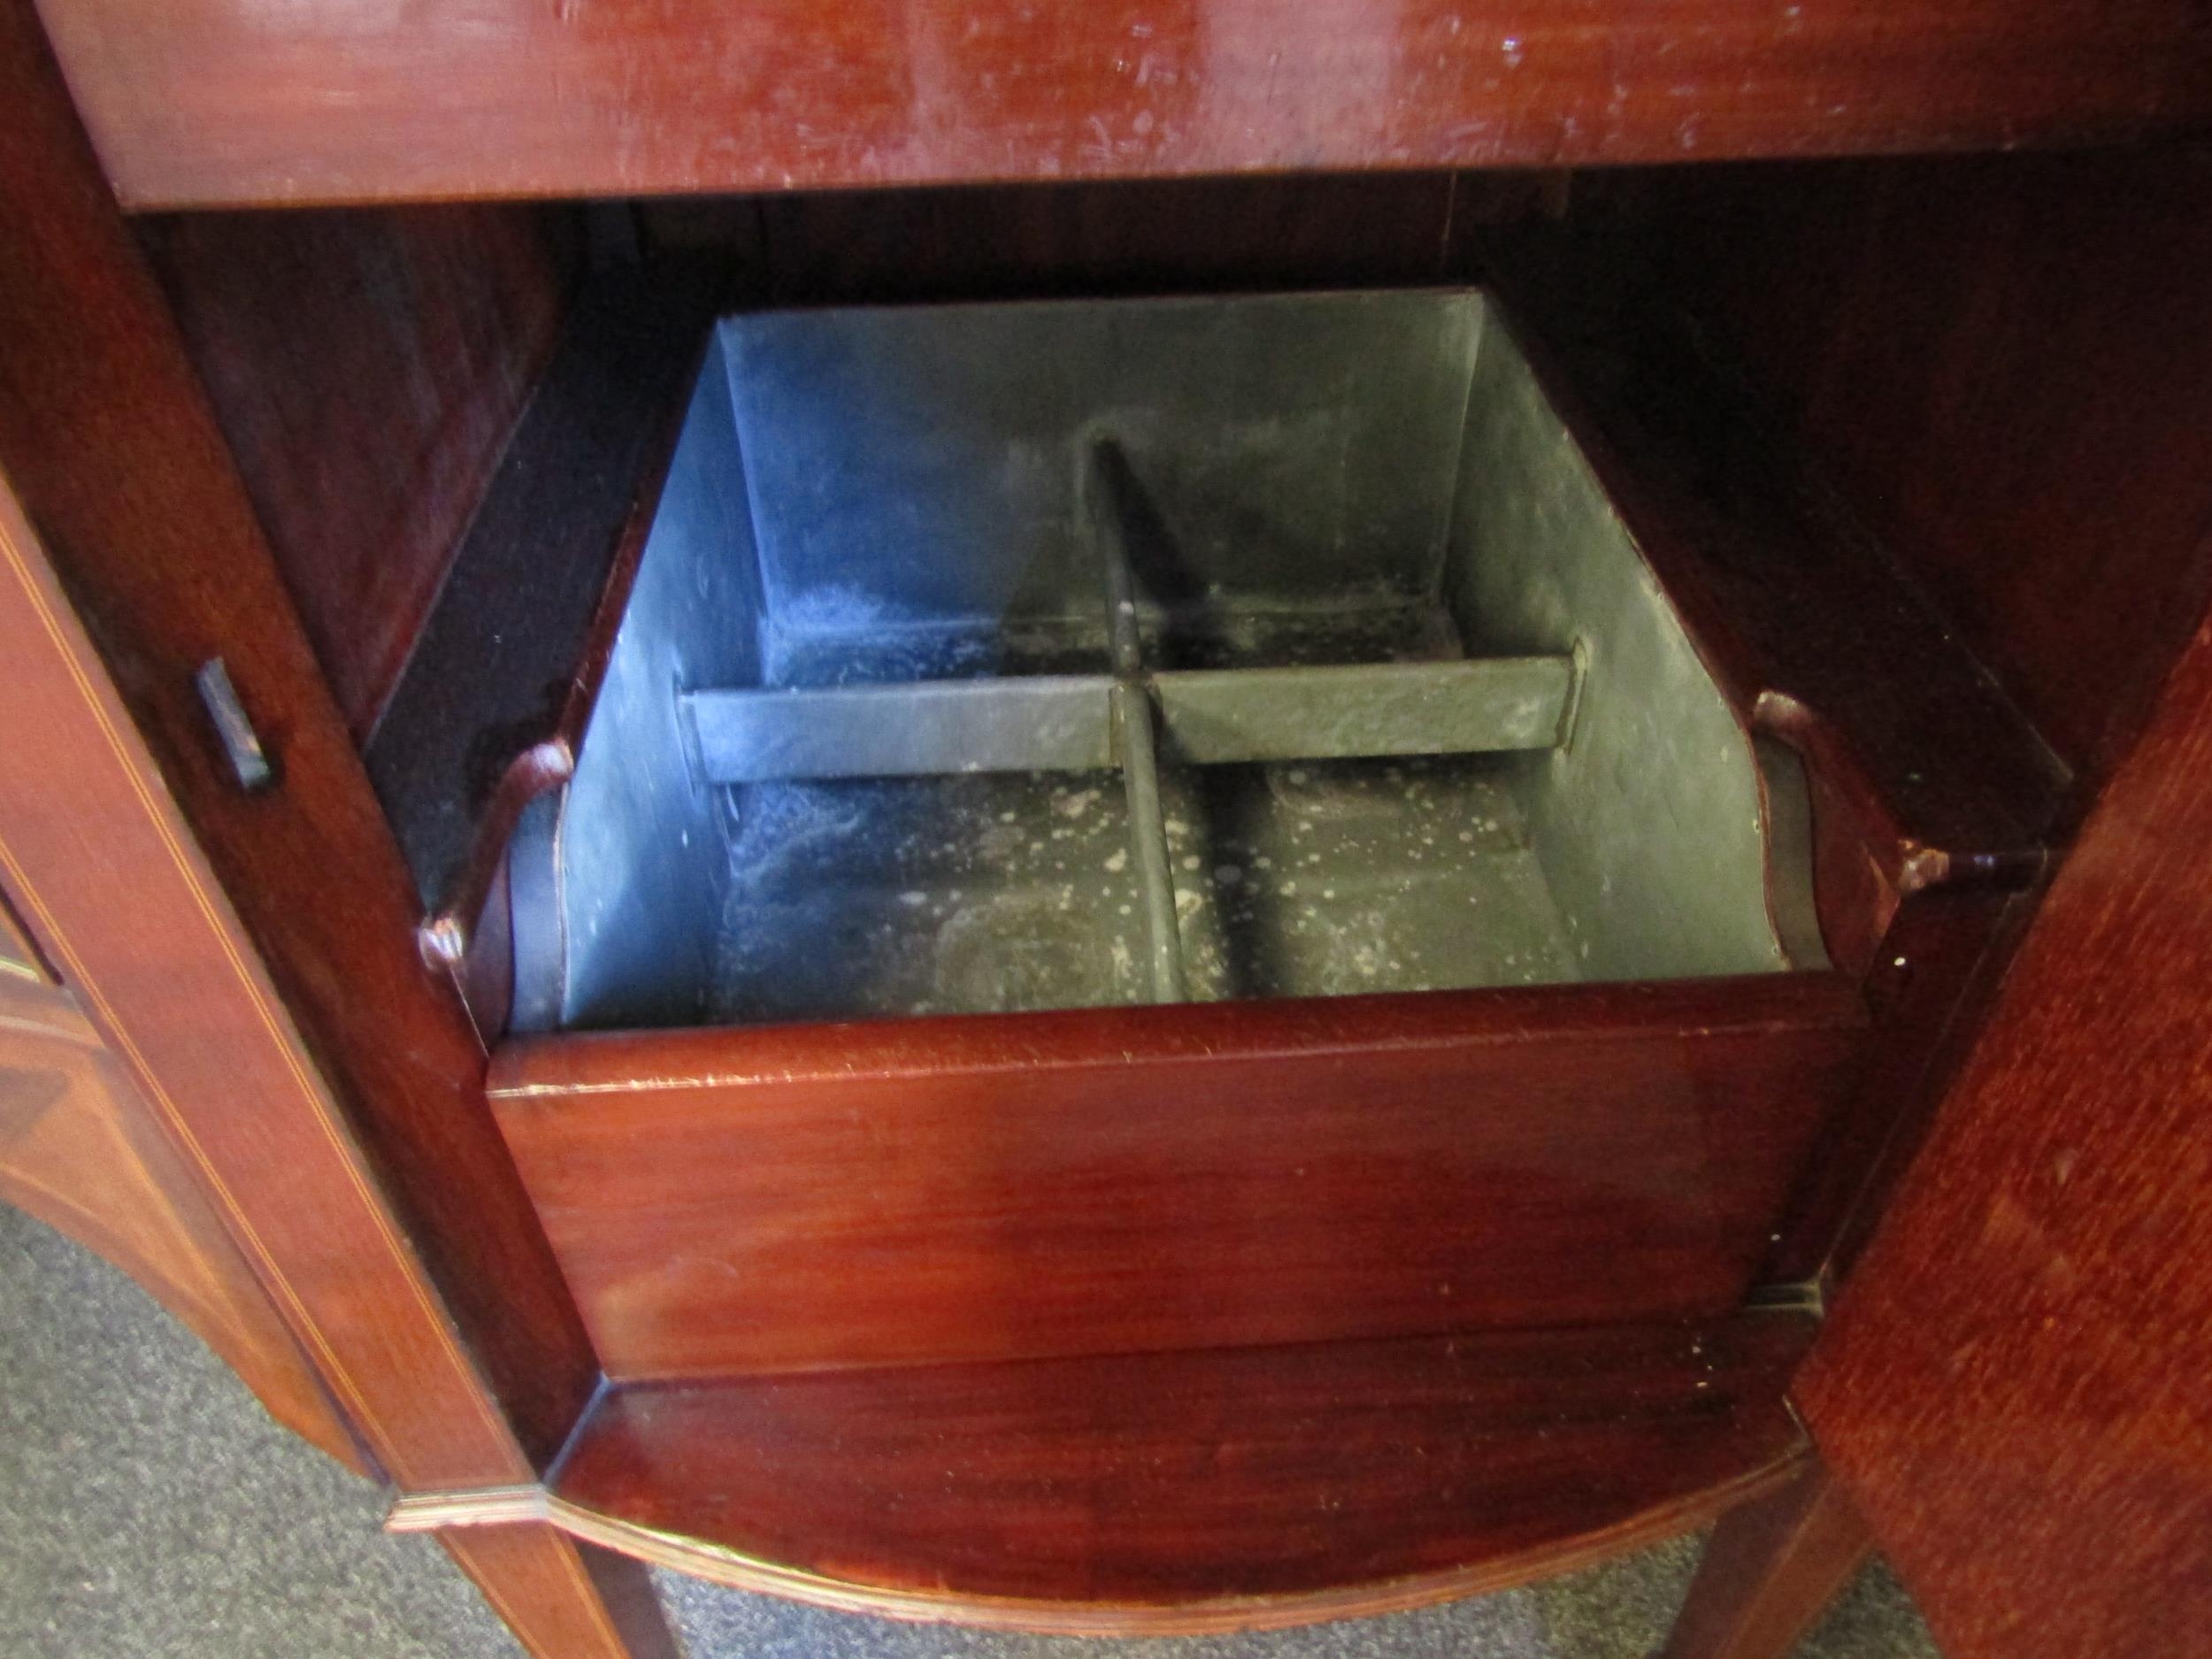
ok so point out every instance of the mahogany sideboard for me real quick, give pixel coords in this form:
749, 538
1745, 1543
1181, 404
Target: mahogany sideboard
345, 358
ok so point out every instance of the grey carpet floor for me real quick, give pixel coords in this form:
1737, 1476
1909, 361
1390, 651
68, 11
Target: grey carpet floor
149, 1511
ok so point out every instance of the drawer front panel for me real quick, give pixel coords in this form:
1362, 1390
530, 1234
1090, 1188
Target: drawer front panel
1121, 1180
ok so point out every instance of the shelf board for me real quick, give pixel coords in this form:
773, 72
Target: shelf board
1207, 1490
205, 103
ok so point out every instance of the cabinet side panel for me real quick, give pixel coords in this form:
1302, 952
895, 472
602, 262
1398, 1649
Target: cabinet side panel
367, 369
2004, 366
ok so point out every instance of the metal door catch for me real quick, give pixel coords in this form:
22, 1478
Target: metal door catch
242, 744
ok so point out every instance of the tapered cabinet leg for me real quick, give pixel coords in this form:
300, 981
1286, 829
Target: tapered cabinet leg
1770, 1568
562, 1599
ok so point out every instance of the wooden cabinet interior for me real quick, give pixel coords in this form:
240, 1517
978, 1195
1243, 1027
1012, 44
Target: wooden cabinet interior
1362, 1170
1490, 1195
422, 447
1981, 356
367, 409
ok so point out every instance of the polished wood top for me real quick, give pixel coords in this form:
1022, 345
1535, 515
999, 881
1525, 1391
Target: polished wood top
199, 102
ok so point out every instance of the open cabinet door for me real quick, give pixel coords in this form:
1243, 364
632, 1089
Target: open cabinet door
2016, 1388
2007, 371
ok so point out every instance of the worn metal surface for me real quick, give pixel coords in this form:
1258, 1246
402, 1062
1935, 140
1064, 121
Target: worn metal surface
234, 731
1122, 520
1284, 611
1364, 708
642, 858
1216, 717
971, 894
1147, 840
1030, 724
538, 924
1648, 821
1332, 878
917, 465
1792, 905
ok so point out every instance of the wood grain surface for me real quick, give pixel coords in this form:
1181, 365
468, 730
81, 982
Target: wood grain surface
562, 1599
2016, 1386
1117, 1179
2003, 364
81, 1149
1220, 1490
263, 956
1937, 964
172, 988
367, 369
201, 102
1769, 1570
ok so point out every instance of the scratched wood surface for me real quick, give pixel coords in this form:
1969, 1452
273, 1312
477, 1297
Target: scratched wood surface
201, 102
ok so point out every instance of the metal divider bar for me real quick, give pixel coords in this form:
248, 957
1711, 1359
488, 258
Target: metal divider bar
1105, 488
1089, 722
1341, 712
1066, 723
1044, 723
1147, 836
